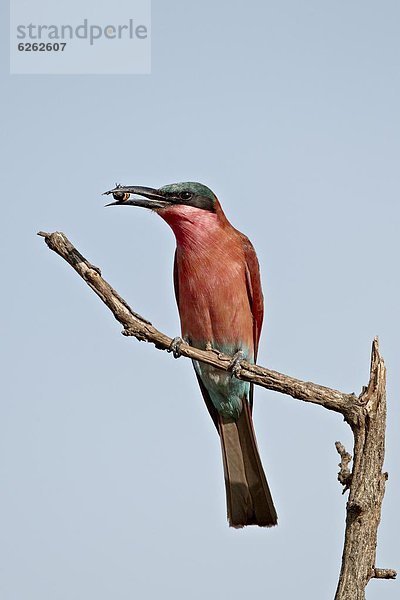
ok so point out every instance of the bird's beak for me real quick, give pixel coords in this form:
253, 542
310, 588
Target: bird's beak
149, 197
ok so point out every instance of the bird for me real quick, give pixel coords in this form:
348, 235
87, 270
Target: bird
220, 304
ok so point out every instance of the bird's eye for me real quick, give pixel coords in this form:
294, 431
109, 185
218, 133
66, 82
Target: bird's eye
185, 195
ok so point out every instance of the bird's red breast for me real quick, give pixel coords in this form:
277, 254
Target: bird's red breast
216, 279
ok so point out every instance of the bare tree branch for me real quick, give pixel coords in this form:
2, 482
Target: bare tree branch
366, 415
367, 486
143, 330
384, 574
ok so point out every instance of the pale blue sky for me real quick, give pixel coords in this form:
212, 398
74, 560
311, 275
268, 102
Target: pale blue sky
112, 483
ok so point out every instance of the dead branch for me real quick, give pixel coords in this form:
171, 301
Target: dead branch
366, 415
384, 574
344, 475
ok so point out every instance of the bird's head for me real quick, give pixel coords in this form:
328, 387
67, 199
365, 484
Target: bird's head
191, 209
179, 195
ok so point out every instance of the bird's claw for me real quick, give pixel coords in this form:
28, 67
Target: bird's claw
175, 347
235, 364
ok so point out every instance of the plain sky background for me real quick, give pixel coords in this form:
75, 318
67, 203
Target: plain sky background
111, 474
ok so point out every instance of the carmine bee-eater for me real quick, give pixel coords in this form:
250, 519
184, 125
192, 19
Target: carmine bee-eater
220, 303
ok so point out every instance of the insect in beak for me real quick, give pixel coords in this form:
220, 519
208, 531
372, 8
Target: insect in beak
121, 196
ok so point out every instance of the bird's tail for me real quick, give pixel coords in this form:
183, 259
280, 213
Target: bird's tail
249, 501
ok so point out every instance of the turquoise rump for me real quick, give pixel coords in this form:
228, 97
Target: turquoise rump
227, 393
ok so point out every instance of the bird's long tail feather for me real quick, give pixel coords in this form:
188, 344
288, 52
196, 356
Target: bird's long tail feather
249, 501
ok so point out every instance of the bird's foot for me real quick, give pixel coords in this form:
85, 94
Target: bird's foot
235, 364
175, 347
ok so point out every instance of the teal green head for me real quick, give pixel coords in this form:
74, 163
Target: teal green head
188, 193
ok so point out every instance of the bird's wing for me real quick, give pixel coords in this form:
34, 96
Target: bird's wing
254, 291
256, 299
